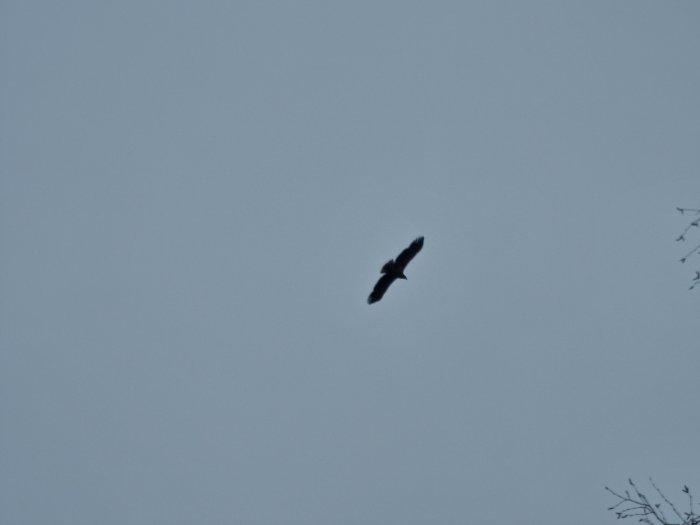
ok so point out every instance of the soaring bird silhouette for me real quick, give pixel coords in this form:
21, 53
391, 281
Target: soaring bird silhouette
393, 270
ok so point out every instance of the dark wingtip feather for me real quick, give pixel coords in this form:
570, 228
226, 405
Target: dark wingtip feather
409, 253
375, 297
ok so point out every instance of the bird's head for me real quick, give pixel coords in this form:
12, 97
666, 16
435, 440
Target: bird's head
402, 276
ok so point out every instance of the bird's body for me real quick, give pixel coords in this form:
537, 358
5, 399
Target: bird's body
391, 268
394, 269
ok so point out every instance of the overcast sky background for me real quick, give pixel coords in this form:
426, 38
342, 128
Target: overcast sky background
197, 197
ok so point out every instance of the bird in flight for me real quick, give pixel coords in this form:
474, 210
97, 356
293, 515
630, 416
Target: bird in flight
393, 270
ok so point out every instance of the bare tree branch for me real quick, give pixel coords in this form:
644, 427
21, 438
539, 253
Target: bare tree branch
695, 223
675, 511
639, 506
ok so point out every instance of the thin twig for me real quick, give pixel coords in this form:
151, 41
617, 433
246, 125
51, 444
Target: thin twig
695, 223
673, 507
692, 224
696, 211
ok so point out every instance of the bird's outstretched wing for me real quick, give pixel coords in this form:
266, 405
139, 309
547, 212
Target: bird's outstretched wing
380, 288
409, 253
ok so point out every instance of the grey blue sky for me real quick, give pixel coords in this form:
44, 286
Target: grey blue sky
196, 199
